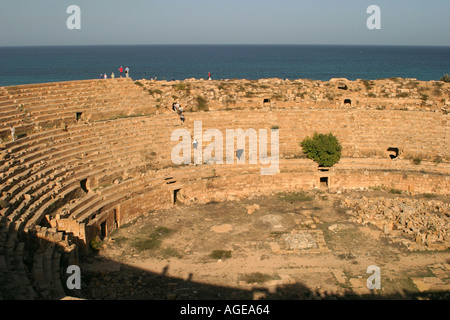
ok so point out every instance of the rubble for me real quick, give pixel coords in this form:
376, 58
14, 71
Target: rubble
427, 223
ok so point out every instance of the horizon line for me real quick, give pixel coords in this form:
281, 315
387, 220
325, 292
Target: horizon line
225, 44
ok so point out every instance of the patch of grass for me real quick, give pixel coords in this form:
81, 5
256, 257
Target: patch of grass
403, 95
220, 254
258, 277
202, 103
230, 100
277, 96
437, 92
180, 86
138, 83
120, 240
395, 191
127, 225
276, 234
114, 232
301, 94
170, 253
413, 84
152, 241
395, 79
423, 97
429, 195
156, 91
393, 287
275, 127
96, 244
438, 160
417, 161
368, 84
346, 256
295, 197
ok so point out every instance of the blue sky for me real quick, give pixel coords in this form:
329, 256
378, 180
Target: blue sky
403, 22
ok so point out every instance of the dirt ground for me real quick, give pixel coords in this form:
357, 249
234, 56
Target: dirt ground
284, 246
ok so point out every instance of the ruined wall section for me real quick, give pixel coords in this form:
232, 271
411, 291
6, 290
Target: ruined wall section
383, 94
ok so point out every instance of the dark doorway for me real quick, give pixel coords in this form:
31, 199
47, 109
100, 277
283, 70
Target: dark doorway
83, 184
347, 101
175, 195
78, 115
324, 182
266, 101
103, 230
116, 223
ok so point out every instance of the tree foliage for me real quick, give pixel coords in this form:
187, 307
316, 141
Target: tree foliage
324, 149
445, 78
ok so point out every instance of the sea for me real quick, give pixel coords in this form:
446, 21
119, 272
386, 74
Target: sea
27, 65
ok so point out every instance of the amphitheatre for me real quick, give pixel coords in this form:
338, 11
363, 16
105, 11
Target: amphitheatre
89, 181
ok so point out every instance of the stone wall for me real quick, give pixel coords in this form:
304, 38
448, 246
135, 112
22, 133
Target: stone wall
395, 93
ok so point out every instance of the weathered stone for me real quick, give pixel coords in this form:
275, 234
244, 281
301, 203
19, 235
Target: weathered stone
301, 240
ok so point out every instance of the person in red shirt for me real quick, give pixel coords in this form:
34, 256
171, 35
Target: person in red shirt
121, 71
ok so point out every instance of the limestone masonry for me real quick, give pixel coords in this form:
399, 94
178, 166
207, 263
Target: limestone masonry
89, 156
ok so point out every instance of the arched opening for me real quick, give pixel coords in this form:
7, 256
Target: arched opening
393, 153
83, 185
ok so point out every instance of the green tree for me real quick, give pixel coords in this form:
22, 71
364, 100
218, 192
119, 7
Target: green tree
324, 149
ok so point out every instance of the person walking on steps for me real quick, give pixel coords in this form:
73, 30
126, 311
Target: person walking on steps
13, 133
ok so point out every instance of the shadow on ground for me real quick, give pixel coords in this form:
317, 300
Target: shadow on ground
124, 282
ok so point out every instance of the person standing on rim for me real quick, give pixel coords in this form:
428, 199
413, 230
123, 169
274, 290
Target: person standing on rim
121, 71
127, 72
